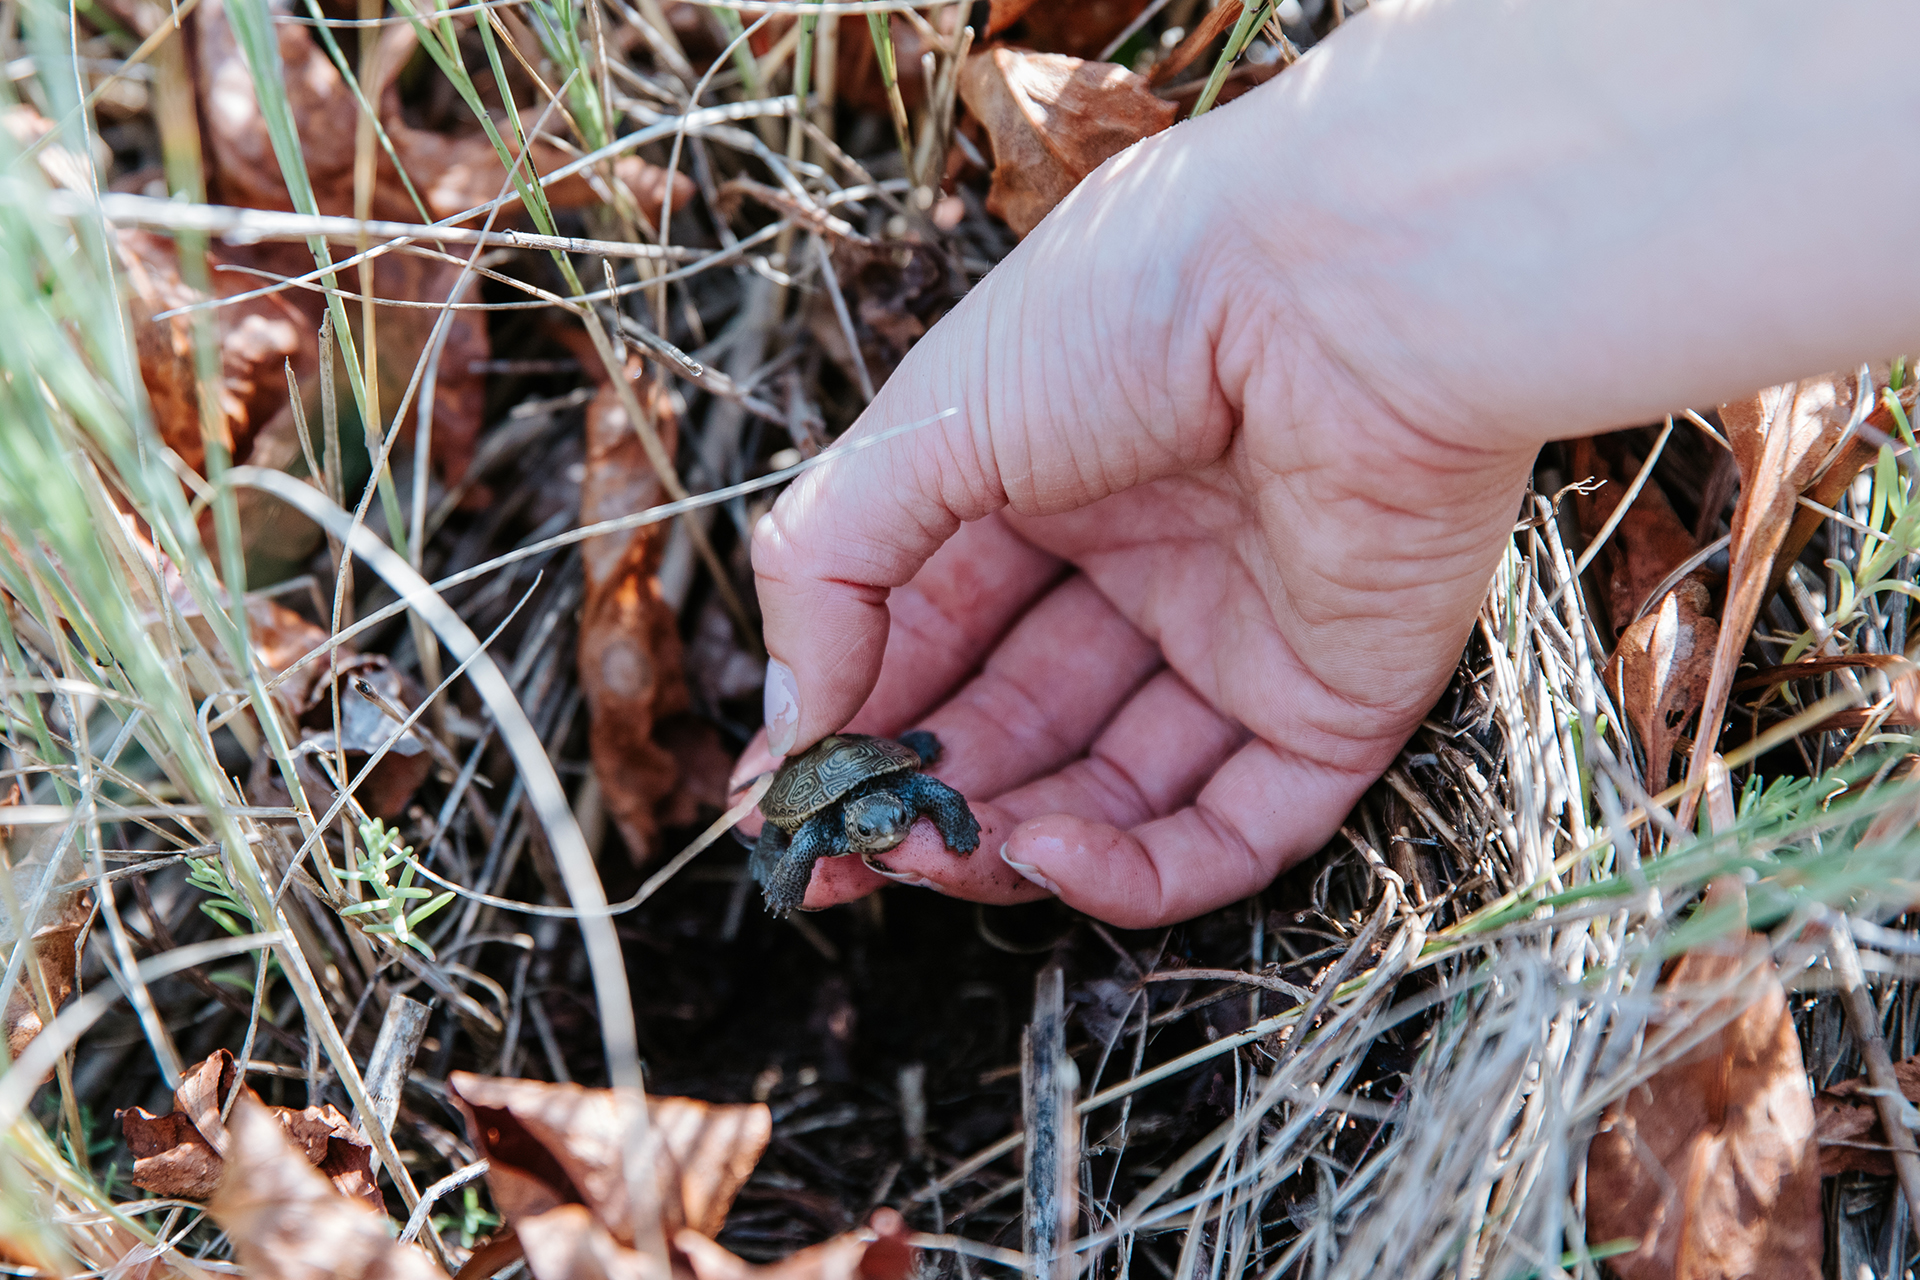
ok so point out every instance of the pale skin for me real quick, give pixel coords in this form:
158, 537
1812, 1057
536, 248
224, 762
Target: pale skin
1244, 424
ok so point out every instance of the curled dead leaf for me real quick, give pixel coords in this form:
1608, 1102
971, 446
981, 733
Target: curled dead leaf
894, 293
1834, 472
55, 953
629, 653
1218, 22
287, 1222
259, 337
452, 169
1710, 1163
256, 338
1660, 669
1052, 120
170, 1157
185, 1152
374, 701
567, 1242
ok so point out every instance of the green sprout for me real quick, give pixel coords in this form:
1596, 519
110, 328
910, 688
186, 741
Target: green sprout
472, 1221
225, 907
382, 853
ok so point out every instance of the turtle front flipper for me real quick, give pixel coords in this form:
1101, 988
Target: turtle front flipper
923, 744
947, 807
784, 868
768, 850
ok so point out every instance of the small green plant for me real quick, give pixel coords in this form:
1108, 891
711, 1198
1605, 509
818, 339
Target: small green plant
225, 906
471, 1222
381, 853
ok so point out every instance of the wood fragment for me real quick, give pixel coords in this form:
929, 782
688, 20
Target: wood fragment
401, 1031
1048, 1081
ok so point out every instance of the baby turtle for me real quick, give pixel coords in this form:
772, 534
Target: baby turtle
851, 793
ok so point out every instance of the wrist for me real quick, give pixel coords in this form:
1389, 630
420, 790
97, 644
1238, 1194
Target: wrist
1521, 221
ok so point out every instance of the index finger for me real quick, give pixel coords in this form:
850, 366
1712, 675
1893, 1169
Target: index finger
845, 535
1061, 367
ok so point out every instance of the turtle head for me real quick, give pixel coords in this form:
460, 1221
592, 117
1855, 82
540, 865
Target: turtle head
877, 822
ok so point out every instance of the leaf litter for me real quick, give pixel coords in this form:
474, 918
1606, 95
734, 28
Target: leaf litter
1254, 1096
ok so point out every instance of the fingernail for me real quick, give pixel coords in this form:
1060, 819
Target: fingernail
1030, 872
782, 708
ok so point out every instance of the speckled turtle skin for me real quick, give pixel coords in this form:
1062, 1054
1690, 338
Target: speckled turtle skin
851, 793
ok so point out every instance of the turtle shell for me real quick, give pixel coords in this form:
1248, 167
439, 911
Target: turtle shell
827, 771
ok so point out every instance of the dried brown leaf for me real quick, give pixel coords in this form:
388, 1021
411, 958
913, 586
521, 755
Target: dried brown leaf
34, 856
1002, 14
1647, 544
53, 949
452, 168
1826, 487
1847, 1124
170, 1158
1052, 120
857, 80
256, 338
568, 1242
455, 171
1780, 438
374, 699
1660, 669
713, 1148
894, 293
1710, 1164
882, 1253
287, 1222
1081, 28
629, 652
183, 1153
550, 1145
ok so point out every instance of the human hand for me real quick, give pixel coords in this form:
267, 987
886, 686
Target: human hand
1210, 584
1238, 445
